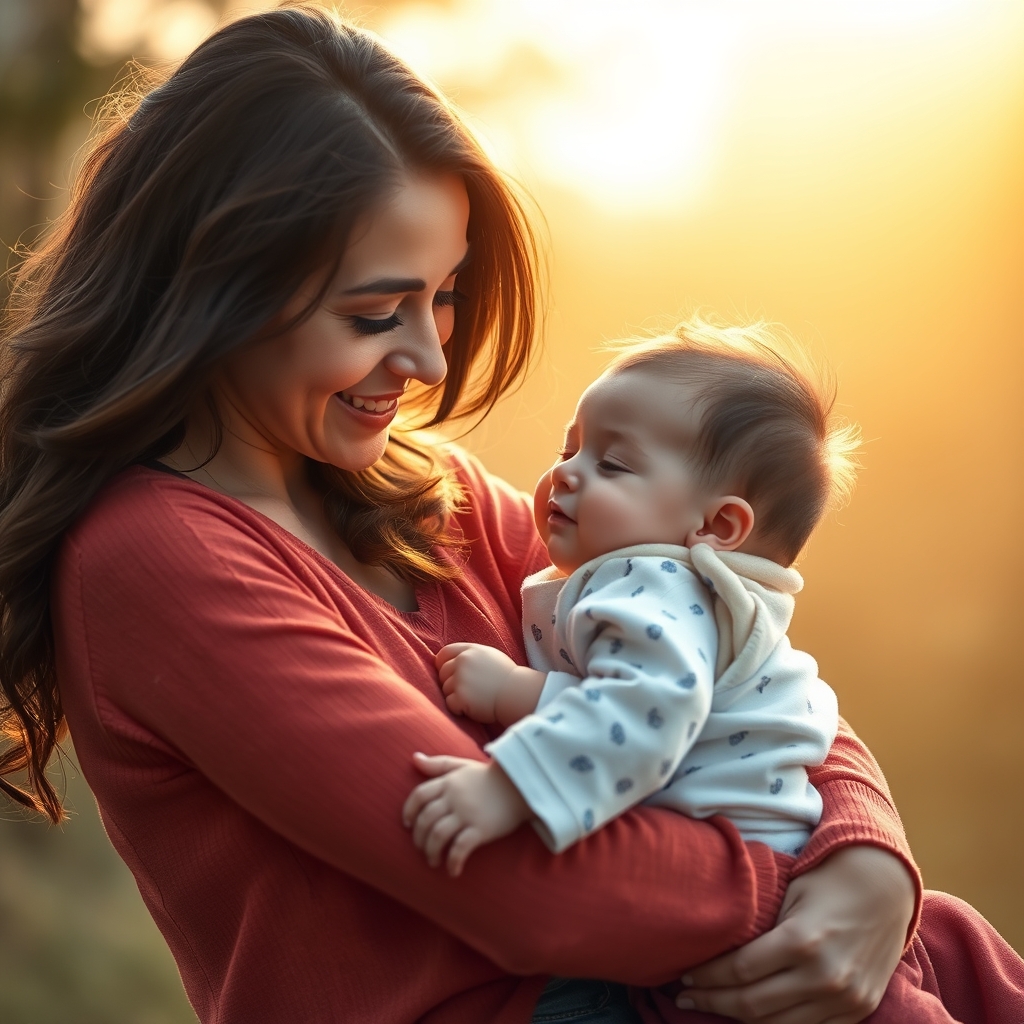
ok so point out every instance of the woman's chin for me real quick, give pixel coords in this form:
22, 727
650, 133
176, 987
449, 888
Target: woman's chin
355, 456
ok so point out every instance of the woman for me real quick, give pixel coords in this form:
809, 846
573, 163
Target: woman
238, 579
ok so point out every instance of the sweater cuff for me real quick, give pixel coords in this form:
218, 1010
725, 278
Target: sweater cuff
555, 823
857, 814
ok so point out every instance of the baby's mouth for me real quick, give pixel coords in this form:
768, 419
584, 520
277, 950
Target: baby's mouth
554, 512
380, 404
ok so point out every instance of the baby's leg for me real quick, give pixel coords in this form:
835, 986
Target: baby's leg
584, 1001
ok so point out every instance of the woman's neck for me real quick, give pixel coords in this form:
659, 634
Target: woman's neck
275, 484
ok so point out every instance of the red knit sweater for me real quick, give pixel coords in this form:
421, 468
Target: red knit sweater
246, 715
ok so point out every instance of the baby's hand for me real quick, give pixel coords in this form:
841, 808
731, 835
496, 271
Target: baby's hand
468, 804
472, 678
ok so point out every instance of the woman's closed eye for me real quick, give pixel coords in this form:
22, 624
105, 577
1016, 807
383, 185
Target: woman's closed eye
452, 297
381, 325
368, 325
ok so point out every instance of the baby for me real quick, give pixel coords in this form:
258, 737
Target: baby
692, 475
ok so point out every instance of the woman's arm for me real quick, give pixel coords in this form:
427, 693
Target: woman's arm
848, 913
207, 640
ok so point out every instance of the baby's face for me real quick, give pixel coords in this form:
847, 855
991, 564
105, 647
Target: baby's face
623, 476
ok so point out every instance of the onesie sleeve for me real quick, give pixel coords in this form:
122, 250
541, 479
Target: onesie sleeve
643, 638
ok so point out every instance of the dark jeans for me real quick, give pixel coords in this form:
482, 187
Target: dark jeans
583, 1001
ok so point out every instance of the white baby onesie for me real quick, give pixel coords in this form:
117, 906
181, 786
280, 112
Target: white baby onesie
671, 681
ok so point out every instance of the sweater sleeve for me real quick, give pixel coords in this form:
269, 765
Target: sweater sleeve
204, 644
857, 809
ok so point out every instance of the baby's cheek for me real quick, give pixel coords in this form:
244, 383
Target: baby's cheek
541, 497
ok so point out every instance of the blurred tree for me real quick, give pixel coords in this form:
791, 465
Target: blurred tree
44, 84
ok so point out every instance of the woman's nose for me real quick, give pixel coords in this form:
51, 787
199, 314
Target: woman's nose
420, 356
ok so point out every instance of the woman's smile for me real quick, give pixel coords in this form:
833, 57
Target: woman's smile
375, 411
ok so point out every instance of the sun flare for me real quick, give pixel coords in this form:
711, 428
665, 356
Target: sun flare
624, 105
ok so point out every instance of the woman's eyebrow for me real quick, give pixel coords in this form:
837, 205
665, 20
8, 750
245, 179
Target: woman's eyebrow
394, 285
388, 286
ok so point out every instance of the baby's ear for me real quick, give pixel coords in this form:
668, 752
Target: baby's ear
728, 522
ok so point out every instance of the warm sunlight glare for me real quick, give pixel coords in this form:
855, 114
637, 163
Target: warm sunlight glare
163, 30
624, 104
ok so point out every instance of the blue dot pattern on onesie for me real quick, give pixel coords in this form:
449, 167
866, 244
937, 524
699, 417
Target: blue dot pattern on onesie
587, 592
665, 765
629, 566
581, 763
687, 682
689, 731
654, 719
696, 609
556, 718
737, 737
776, 787
693, 768
562, 651
615, 645
743, 757
668, 566
765, 680
588, 819
654, 631
623, 785
587, 575
639, 590
537, 634
618, 734
592, 693
669, 615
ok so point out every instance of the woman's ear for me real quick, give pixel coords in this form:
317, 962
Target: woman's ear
728, 522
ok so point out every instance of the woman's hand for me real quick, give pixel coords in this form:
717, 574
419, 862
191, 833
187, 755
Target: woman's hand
839, 937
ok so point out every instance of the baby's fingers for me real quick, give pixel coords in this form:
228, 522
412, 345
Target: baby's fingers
439, 837
438, 764
448, 652
456, 705
462, 846
419, 798
425, 821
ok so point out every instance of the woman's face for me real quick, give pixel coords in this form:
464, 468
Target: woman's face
329, 388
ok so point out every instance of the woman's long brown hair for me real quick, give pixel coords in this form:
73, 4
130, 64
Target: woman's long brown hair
197, 215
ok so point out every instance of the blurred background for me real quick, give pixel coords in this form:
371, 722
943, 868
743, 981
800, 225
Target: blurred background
850, 168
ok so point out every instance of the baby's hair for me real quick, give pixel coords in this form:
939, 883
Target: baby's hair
767, 426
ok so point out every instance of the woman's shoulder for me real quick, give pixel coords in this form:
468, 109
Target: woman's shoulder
147, 514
